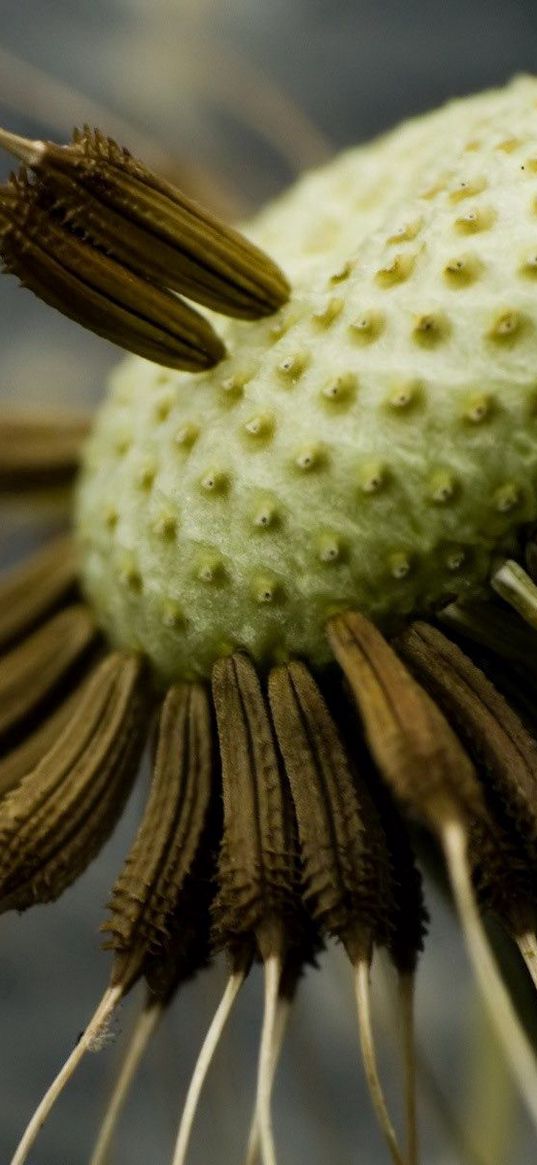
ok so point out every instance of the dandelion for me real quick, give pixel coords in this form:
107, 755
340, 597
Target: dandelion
303, 563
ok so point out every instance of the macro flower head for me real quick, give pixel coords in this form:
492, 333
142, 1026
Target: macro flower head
301, 566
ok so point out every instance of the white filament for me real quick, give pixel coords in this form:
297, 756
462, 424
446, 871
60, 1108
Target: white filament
282, 1017
143, 1030
273, 974
203, 1064
363, 1001
86, 1043
504, 1018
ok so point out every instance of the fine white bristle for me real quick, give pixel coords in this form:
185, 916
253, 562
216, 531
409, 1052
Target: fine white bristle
87, 1042
363, 1001
209, 1046
512, 1036
143, 1030
283, 1010
273, 974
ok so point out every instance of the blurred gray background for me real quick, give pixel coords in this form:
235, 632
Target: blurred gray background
232, 99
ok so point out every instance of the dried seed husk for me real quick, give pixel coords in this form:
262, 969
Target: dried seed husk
503, 878
409, 738
32, 672
189, 949
345, 858
39, 450
153, 886
96, 291
151, 227
409, 914
60, 815
26, 756
30, 592
503, 646
345, 862
409, 917
497, 629
491, 731
258, 875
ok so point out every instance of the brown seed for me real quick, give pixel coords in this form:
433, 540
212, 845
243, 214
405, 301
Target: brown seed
31, 673
39, 449
344, 856
149, 226
21, 760
258, 877
30, 592
92, 288
151, 906
56, 820
494, 735
412, 743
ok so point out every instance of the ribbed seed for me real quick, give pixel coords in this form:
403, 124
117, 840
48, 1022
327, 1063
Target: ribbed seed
410, 740
151, 895
510, 650
258, 882
343, 850
503, 878
26, 756
410, 916
149, 226
39, 450
497, 629
31, 591
31, 673
57, 819
490, 730
96, 291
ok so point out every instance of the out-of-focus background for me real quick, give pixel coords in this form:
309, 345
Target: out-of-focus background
232, 100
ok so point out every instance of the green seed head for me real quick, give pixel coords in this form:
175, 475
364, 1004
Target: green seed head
373, 445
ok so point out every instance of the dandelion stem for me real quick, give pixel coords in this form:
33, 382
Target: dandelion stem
86, 1043
143, 1030
363, 1001
406, 1002
513, 1038
212, 1039
266, 1068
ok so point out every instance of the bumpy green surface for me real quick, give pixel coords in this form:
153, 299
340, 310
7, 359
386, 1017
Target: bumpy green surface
372, 445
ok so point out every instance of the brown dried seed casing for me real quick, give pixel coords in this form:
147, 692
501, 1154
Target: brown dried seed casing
510, 650
149, 225
411, 742
347, 882
20, 761
493, 734
96, 291
37, 449
258, 875
30, 592
502, 876
55, 822
31, 673
150, 908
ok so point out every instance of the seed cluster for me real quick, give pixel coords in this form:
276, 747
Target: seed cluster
341, 454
